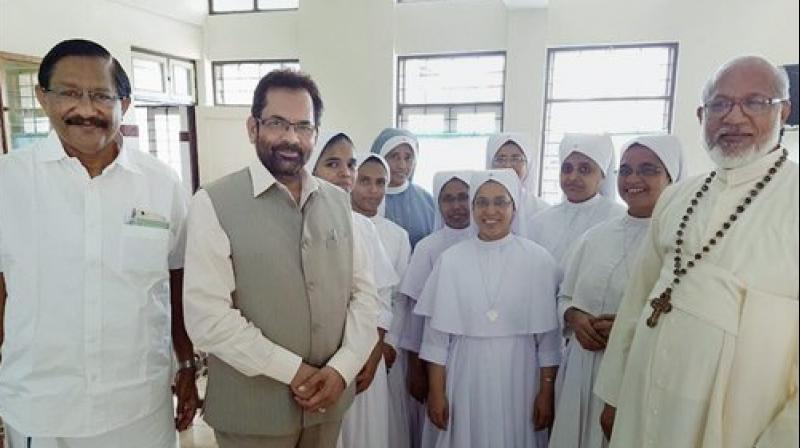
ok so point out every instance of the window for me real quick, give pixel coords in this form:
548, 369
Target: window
452, 103
25, 121
233, 6
624, 90
234, 82
162, 79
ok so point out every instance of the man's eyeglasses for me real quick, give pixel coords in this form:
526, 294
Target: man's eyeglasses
501, 203
754, 105
74, 96
643, 170
279, 126
516, 159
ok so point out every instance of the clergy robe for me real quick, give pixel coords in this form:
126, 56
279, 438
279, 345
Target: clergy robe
557, 228
491, 321
594, 281
721, 369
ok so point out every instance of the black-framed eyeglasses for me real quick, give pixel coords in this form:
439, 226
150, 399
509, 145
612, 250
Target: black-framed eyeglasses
753, 105
279, 126
68, 95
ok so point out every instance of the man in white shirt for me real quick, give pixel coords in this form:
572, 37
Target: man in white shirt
278, 290
91, 256
703, 352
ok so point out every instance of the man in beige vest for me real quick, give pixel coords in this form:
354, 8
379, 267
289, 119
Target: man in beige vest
277, 288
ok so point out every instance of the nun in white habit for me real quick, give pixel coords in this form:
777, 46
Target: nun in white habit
366, 422
492, 335
451, 225
594, 282
372, 176
588, 181
509, 150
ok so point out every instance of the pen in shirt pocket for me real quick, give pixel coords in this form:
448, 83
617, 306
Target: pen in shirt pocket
140, 217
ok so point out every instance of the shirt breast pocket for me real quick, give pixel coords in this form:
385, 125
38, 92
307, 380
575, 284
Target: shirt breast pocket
143, 249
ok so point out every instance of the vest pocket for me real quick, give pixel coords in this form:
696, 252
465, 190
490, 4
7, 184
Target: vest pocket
143, 249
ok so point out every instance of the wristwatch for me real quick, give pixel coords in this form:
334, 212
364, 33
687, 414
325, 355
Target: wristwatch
193, 364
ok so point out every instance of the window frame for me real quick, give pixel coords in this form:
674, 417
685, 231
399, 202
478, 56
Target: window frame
450, 107
167, 96
673, 48
255, 9
6, 97
215, 64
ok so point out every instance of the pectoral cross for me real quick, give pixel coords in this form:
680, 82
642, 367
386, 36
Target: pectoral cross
660, 306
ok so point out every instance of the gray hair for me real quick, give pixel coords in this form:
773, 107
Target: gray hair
780, 77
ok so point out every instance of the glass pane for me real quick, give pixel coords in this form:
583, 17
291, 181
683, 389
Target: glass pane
422, 123
613, 117
235, 82
611, 72
143, 128
181, 80
456, 79
448, 153
231, 5
277, 4
148, 75
477, 122
42, 123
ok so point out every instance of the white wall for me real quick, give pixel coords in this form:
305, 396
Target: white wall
32, 27
350, 46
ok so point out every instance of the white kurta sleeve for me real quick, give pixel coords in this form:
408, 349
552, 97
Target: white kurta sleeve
643, 278
212, 322
548, 348
435, 344
360, 335
783, 430
177, 230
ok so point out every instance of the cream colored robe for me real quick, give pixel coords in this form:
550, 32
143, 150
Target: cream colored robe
720, 370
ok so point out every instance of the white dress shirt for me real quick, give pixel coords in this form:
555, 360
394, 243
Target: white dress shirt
87, 322
215, 326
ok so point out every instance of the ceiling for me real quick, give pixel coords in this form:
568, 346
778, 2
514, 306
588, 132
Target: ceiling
519, 4
190, 11
195, 11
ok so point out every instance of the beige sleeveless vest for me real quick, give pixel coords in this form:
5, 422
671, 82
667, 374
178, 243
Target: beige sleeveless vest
294, 271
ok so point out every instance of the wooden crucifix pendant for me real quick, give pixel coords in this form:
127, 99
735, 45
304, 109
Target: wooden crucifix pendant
660, 306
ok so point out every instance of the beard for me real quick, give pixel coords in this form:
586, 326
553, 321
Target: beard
743, 157
278, 165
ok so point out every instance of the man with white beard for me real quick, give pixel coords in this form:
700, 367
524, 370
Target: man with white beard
704, 349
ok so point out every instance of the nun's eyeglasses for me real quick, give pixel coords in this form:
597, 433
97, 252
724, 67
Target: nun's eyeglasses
482, 203
515, 159
643, 170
